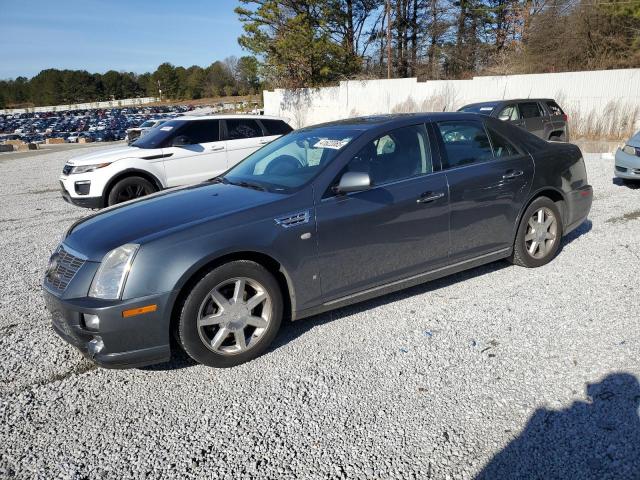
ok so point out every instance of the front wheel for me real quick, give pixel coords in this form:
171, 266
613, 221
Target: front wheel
539, 234
129, 188
231, 315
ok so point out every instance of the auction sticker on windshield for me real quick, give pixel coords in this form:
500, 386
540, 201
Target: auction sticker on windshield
333, 144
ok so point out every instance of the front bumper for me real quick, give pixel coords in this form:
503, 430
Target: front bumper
83, 190
627, 166
118, 342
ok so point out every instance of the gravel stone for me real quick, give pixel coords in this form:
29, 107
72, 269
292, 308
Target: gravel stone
497, 372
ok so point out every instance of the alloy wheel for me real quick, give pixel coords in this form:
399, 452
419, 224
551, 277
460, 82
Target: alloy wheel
234, 316
542, 233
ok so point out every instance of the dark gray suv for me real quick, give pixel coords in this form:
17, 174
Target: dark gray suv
320, 218
542, 116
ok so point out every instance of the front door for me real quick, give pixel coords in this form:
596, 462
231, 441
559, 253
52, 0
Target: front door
489, 181
204, 155
397, 228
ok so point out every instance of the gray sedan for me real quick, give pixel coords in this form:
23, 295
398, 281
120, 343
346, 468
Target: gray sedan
323, 217
627, 164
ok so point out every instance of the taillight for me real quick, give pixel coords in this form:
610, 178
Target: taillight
565, 117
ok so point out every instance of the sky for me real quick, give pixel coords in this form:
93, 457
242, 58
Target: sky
124, 35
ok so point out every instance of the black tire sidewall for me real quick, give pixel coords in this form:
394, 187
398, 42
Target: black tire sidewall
187, 327
520, 251
112, 198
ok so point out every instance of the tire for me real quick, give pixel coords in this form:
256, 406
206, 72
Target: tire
129, 188
530, 231
219, 328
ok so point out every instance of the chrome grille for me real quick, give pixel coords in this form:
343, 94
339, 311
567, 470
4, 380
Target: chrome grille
62, 268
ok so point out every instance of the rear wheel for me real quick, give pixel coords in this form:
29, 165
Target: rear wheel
231, 315
129, 188
539, 234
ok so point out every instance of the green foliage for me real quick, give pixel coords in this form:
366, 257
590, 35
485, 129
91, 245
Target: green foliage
295, 41
56, 87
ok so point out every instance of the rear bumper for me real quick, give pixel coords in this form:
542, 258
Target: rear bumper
578, 205
118, 342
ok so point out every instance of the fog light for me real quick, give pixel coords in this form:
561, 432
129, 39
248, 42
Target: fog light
92, 322
83, 187
95, 346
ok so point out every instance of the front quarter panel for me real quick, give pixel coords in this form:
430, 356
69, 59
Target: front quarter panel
166, 264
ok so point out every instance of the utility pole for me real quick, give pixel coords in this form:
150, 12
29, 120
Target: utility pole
388, 7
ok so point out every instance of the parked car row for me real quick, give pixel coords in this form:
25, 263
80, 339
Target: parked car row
96, 125
316, 219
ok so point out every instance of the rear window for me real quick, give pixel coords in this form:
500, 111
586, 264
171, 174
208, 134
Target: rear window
554, 108
530, 110
238, 128
276, 127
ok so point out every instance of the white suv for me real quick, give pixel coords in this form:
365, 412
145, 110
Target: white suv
182, 151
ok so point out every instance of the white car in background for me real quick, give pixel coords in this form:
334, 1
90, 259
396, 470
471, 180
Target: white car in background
181, 151
627, 164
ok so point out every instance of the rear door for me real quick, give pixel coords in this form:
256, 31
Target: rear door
204, 158
534, 118
273, 128
489, 180
243, 136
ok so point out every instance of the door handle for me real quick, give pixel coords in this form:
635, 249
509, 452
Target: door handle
512, 174
263, 142
217, 148
428, 197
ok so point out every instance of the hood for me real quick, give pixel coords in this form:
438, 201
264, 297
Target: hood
635, 140
111, 155
161, 214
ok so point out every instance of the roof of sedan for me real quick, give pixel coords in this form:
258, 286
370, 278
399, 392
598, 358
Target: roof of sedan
364, 123
227, 116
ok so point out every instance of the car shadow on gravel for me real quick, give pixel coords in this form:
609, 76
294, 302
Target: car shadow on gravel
631, 184
597, 438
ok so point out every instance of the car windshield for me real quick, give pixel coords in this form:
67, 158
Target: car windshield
156, 137
292, 160
484, 108
148, 123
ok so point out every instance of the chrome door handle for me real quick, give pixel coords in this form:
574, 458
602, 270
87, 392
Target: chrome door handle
429, 197
217, 148
263, 142
512, 174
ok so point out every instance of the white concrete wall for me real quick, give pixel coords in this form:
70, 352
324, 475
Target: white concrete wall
125, 102
592, 99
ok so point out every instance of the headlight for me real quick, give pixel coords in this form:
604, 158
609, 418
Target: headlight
87, 168
113, 271
631, 150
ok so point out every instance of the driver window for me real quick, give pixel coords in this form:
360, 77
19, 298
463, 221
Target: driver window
201, 131
399, 154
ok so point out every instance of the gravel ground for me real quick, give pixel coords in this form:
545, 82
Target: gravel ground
498, 372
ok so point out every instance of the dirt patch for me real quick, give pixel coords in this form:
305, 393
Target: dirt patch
627, 217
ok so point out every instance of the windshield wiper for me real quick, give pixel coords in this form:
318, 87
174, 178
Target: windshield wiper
247, 185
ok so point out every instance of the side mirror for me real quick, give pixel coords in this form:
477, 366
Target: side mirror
353, 182
181, 141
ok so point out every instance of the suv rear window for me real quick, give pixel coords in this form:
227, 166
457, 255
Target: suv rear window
530, 110
276, 127
554, 108
238, 128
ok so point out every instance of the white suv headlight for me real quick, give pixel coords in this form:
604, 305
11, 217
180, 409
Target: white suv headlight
113, 271
88, 168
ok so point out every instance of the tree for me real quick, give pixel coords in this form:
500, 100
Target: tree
247, 75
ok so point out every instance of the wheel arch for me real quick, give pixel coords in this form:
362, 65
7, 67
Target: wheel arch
554, 194
191, 277
130, 172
